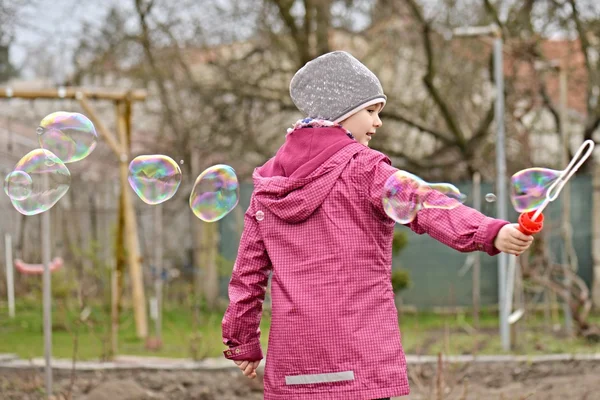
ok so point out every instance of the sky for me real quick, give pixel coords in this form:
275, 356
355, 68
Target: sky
55, 26
52, 25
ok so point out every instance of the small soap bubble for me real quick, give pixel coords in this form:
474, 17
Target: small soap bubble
451, 196
490, 197
216, 192
69, 136
18, 185
154, 178
50, 180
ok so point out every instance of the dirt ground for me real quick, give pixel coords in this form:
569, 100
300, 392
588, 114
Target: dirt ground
549, 380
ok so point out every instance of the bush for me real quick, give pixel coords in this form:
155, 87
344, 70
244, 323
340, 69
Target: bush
400, 280
398, 242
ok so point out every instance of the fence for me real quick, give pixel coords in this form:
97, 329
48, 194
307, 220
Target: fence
85, 221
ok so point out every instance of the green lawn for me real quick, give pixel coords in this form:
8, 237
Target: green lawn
23, 335
424, 333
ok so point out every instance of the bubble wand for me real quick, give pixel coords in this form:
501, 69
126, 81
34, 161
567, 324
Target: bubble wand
533, 221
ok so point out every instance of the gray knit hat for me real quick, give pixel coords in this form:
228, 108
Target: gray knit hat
334, 86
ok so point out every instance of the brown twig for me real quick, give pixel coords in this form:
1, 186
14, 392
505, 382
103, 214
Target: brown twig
439, 383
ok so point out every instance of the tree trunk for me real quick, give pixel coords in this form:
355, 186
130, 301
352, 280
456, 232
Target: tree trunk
208, 263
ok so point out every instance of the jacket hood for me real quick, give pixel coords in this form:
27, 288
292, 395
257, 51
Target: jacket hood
295, 182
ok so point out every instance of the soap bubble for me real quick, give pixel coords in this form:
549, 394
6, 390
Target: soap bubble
50, 180
529, 187
216, 192
404, 194
70, 136
154, 178
490, 197
17, 185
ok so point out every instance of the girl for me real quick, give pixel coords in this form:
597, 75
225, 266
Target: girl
316, 223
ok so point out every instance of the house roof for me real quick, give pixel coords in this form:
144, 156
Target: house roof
528, 81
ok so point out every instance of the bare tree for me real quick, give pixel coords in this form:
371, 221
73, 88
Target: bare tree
8, 11
220, 93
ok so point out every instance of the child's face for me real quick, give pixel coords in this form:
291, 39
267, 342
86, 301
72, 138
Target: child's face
363, 124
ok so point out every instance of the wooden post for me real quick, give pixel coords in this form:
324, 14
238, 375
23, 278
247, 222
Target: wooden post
158, 260
117, 276
131, 233
10, 282
100, 127
210, 241
72, 92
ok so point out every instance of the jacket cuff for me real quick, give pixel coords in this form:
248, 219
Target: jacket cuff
244, 352
486, 234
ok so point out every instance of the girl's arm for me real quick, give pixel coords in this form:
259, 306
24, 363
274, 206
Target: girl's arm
247, 287
462, 228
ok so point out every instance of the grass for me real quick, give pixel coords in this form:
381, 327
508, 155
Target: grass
23, 335
423, 333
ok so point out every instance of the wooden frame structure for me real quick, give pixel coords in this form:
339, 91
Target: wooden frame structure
120, 144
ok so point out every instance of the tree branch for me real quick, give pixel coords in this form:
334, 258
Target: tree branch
590, 129
428, 79
548, 103
585, 44
408, 121
481, 131
323, 10
308, 19
489, 7
148, 51
301, 40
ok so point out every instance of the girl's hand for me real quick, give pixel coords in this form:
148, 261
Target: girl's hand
248, 367
511, 240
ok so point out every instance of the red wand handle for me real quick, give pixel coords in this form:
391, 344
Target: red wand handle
528, 226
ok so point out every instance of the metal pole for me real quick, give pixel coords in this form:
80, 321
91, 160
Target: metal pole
477, 262
501, 185
568, 256
10, 278
158, 259
47, 300
510, 283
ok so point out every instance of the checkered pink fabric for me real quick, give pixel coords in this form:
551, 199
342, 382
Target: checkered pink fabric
325, 238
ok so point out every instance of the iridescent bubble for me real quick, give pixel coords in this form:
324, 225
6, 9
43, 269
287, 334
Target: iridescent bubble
404, 194
490, 197
451, 197
70, 136
50, 180
17, 185
529, 187
216, 192
154, 178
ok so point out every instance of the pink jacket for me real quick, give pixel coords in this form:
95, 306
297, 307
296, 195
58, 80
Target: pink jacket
316, 222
